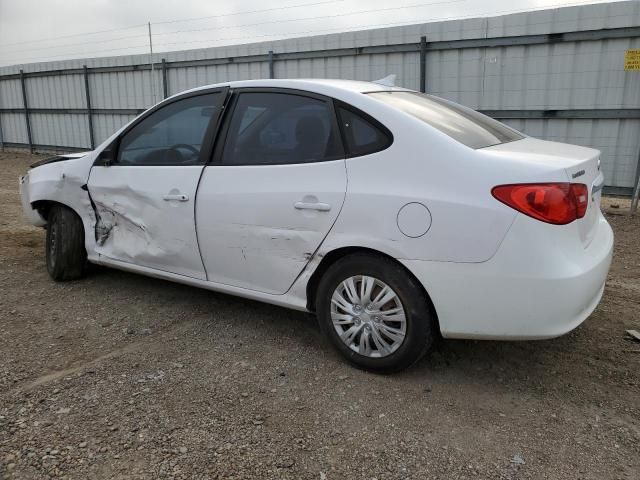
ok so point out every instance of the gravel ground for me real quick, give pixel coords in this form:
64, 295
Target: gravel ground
122, 376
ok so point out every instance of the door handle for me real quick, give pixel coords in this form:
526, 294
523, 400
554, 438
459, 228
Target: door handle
180, 197
321, 207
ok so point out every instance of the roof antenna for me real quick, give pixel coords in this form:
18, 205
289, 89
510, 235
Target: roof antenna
388, 81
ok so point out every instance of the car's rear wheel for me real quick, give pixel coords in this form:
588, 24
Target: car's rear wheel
375, 313
65, 253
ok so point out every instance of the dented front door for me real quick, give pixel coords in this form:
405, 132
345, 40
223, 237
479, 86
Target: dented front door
138, 224
144, 192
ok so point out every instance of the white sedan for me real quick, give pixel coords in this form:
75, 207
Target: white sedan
393, 215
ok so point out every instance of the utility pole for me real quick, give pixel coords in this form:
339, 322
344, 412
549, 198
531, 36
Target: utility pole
153, 83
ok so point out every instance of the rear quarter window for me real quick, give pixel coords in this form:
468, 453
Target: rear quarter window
362, 134
463, 124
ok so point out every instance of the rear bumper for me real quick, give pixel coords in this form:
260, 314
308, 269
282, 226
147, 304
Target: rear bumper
542, 283
31, 215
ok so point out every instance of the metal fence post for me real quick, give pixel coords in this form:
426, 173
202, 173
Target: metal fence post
423, 64
635, 196
1, 136
89, 110
271, 73
26, 110
165, 84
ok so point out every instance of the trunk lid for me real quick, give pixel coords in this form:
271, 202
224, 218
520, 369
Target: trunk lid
588, 172
581, 164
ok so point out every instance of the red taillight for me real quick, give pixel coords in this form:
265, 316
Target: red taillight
581, 194
557, 203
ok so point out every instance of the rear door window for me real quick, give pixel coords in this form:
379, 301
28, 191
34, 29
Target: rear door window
269, 128
463, 124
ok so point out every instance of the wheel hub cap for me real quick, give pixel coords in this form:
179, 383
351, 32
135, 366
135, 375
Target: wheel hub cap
368, 316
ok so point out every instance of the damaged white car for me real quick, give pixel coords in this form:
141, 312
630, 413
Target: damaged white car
395, 216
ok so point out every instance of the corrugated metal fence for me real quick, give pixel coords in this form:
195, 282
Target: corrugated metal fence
555, 74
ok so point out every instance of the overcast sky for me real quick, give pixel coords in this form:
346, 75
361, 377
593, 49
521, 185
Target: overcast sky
48, 30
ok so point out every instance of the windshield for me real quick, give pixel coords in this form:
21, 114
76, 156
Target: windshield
467, 126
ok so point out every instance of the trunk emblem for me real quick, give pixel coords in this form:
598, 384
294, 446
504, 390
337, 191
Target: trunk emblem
577, 174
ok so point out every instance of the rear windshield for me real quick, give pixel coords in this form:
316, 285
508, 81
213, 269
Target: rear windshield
467, 126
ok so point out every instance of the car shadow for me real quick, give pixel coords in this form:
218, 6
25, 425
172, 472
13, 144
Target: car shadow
529, 368
495, 364
243, 311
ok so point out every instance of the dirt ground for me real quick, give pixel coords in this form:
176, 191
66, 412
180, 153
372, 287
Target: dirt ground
122, 376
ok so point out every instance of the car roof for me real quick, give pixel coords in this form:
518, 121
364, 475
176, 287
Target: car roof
317, 85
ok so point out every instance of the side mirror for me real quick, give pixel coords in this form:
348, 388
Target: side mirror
106, 156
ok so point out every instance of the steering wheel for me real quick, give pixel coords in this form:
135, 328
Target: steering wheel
174, 154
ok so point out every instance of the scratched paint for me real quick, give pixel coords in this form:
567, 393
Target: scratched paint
61, 182
121, 235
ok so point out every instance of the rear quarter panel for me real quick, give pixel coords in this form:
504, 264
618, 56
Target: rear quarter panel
467, 224
426, 166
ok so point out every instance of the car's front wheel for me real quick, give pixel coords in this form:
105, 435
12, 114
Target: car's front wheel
65, 253
374, 312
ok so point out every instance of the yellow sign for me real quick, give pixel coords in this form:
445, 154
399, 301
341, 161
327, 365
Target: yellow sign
632, 60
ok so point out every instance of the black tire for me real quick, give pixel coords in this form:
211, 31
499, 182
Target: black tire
420, 318
65, 252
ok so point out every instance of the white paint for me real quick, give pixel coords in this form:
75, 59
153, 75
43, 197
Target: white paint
542, 283
32, 216
414, 220
490, 272
288, 300
251, 233
137, 225
62, 182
